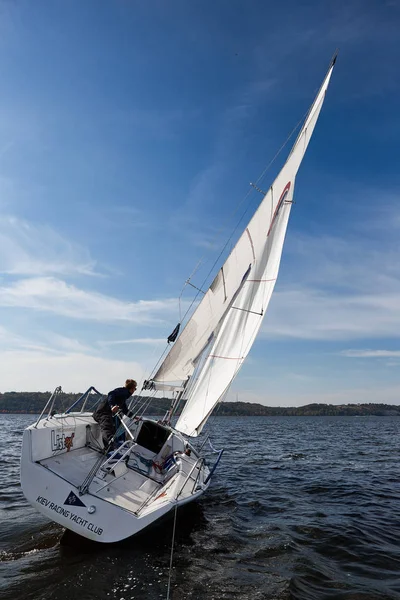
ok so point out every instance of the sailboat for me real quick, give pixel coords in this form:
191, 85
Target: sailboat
110, 494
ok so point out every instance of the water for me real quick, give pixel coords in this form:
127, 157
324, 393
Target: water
301, 508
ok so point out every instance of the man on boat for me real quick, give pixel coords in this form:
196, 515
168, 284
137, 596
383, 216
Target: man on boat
115, 402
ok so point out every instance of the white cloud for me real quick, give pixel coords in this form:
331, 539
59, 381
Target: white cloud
362, 261
75, 372
319, 315
340, 287
10, 339
63, 344
43, 341
371, 353
143, 341
229, 148
56, 296
356, 395
31, 249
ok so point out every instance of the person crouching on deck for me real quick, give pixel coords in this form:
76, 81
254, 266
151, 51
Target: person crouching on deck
115, 401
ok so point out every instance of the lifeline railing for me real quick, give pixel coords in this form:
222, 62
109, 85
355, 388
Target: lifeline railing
211, 473
158, 491
85, 397
200, 461
50, 402
58, 390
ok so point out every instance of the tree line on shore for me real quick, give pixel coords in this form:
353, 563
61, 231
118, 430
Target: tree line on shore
34, 402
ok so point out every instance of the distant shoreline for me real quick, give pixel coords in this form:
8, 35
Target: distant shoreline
32, 403
310, 414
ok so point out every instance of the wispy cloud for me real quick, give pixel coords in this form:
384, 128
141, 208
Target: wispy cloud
53, 295
32, 249
340, 287
42, 341
209, 186
316, 315
371, 353
74, 371
362, 260
372, 393
10, 340
141, 341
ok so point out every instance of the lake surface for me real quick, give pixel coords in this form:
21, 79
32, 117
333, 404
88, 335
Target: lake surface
304, 508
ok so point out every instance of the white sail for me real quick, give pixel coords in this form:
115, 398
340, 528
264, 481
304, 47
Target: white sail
229, 316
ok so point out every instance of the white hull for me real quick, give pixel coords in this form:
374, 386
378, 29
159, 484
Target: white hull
67, 478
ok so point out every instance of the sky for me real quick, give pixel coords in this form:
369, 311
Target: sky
129, 133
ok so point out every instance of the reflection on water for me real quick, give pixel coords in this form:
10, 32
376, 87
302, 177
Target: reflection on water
303, 508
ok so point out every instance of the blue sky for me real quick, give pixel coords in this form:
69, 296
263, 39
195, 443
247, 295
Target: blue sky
129, 133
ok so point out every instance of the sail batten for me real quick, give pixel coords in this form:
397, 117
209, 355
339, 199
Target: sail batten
228, 318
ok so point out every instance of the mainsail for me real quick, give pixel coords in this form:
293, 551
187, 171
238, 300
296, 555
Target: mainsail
221, 331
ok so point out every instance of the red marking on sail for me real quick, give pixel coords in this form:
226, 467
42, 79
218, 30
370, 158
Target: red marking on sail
279, 205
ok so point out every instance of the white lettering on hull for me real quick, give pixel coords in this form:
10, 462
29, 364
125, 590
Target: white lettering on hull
67, 514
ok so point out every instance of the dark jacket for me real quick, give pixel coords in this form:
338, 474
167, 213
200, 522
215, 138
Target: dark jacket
117, 397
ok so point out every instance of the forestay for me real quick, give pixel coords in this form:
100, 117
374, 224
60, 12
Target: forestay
227, 320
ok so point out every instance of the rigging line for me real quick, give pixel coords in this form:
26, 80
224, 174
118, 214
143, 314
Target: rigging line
176, 402
184, 286
193, 286
146, 400
146, 405
158, 362
133, 408
137, 398
172, 552
281, 148
147, 369
143, 408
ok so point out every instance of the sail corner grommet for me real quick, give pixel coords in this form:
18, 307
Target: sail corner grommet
91, 509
